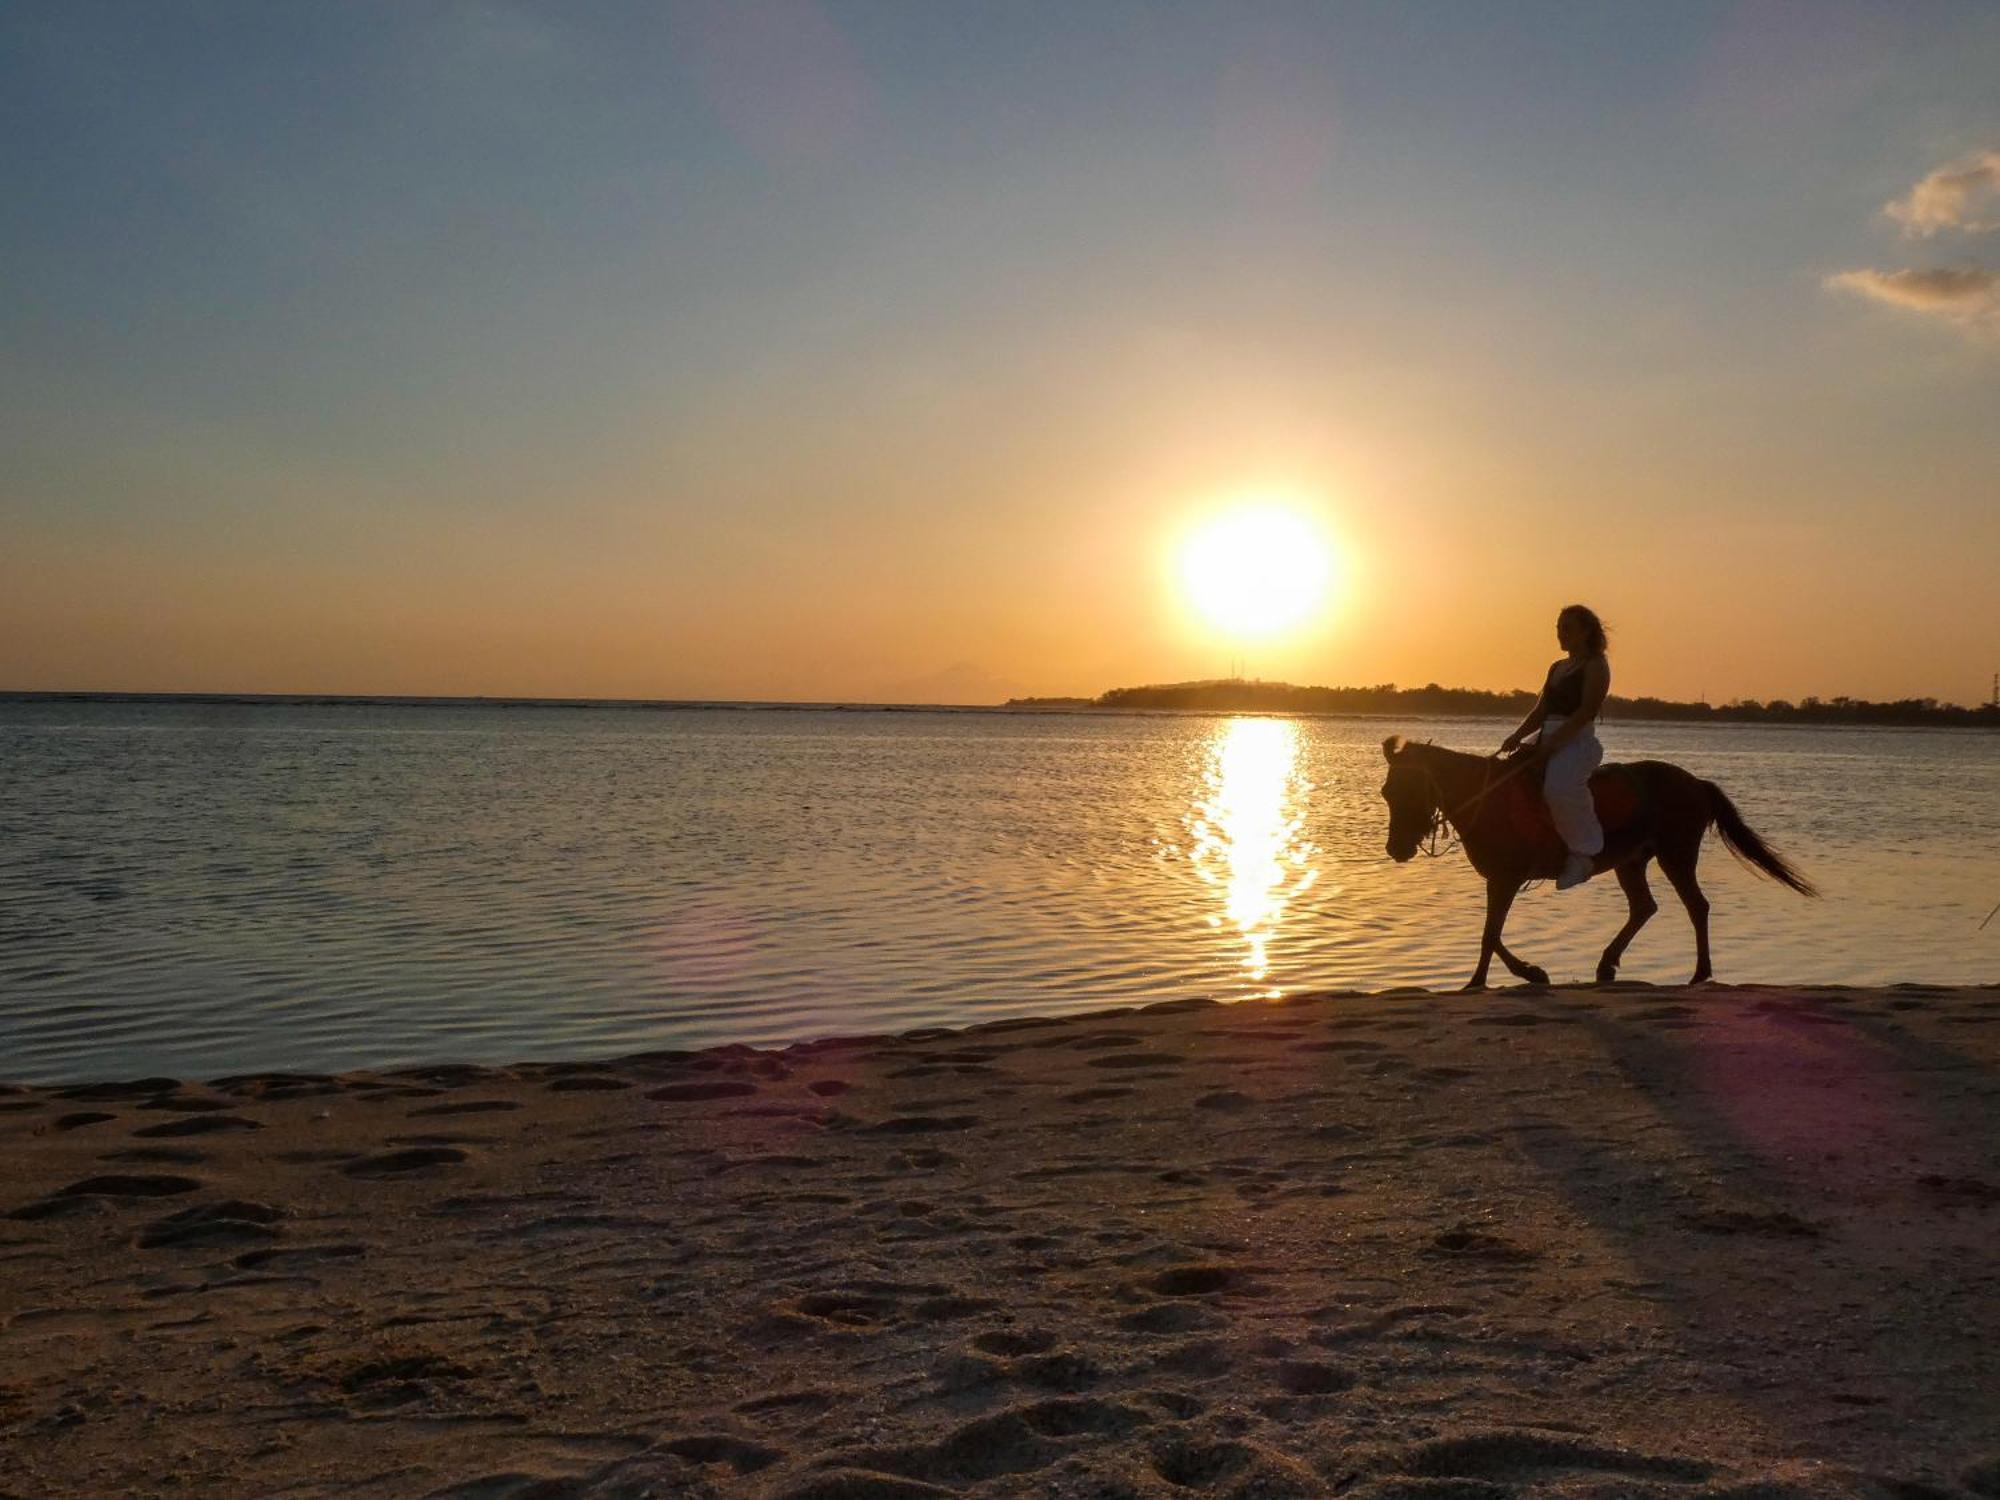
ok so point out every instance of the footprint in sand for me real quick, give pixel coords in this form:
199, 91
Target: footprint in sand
232, 1221
296, 1257
94, 1193
921, 1159
198, 1125
716, 1088
1204, 1281
1513, 1456
807, 1403
719, 1448
1100, 1041
1229, 1100
1179, 1405
847, 1485
1195, 1463
82, 1118
168, 1156
1778, 1225
465, 1107
1067, 1370
395, 1381
395, 1163
186, 1104
1467, 1243
1313, 1378
1015, 1441
1098, 1095
847, 1309
1171, 1318
1203, 1359
102, 1093
920, 1124
950, 1307
1959, 1191
129, 1185
444, 1075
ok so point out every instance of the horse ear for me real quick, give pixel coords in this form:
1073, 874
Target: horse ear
1393, 747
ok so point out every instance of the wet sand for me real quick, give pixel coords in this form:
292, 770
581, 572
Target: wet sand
1626, 1242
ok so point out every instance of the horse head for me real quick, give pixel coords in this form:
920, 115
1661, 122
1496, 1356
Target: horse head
1412, 795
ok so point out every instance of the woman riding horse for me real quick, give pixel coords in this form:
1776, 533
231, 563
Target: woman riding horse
1563, 719
1658, 811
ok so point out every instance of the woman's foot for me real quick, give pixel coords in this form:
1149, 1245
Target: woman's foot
1576, 870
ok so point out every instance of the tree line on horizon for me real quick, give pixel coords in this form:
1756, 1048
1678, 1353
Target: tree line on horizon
1238, 695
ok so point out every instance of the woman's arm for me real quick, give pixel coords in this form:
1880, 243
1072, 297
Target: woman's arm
1596, 687
1529, 724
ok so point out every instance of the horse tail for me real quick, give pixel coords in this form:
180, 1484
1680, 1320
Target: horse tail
1742, 841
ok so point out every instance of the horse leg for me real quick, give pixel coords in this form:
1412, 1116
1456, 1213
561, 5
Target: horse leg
1499, 897
1678, 867
1533, 973
1639, 896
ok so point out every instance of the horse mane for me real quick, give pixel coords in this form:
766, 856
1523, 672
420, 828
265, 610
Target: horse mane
1396, 746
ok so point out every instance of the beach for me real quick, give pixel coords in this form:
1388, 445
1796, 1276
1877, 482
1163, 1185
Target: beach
1609, 1242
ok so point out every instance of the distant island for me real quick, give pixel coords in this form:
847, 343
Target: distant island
1236, 695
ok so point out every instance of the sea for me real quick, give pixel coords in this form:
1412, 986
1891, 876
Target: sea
203, 888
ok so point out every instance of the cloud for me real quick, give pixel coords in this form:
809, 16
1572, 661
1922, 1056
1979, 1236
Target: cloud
1948, 197
1969, 295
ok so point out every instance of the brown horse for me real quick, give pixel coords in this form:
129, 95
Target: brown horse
1649, 808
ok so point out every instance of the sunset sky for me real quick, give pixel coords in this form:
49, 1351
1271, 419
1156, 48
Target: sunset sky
893, 350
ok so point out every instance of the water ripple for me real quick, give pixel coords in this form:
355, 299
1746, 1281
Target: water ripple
194, 889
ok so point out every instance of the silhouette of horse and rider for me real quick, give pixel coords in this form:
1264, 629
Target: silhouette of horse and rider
1586, 821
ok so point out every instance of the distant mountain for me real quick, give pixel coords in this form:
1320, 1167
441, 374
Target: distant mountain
1235, 695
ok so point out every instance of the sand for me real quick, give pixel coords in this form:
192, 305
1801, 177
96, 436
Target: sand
1624, 1242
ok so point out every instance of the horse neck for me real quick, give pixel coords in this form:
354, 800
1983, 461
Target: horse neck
1459, 777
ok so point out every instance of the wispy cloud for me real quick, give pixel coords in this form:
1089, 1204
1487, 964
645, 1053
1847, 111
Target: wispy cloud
1950, 197
1967, 295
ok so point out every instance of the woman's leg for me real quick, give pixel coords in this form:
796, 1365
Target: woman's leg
1566, 783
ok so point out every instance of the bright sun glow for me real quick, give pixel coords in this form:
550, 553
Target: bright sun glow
1256, 572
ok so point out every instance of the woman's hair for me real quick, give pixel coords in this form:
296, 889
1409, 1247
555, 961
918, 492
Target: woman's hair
1594, 640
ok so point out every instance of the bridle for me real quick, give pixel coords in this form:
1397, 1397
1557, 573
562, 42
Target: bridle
1452, 821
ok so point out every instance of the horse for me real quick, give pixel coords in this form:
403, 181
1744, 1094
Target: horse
1650, 809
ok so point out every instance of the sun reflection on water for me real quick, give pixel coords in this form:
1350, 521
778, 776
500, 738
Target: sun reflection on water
1249, 842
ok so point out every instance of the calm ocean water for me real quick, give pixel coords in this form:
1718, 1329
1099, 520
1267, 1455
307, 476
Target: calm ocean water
200, 890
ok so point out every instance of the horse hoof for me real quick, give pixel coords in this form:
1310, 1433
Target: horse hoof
1534, 975
1607, 976
1472, 987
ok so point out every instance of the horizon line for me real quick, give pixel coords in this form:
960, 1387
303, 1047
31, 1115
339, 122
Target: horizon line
1053, 703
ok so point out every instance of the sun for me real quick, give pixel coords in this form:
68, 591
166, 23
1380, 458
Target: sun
1256, 571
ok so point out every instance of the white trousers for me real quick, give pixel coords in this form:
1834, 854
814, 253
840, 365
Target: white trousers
1566, 783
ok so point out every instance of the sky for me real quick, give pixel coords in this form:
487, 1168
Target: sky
796, 349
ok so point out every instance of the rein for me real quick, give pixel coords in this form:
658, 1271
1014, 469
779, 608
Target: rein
1454, 819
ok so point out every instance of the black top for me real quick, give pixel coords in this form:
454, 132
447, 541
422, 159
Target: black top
1563, 696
